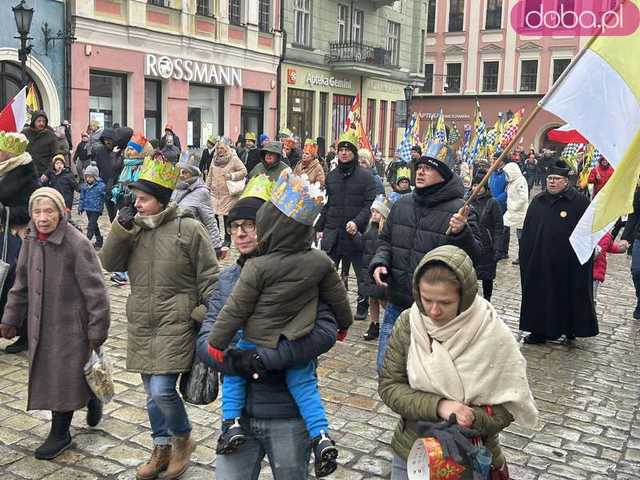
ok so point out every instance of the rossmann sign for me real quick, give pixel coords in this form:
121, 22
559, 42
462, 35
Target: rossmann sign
191, 71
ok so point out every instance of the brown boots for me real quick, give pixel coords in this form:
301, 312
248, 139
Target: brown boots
167, 462
157, 464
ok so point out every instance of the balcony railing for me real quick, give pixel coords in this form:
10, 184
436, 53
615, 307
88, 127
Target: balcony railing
354, 52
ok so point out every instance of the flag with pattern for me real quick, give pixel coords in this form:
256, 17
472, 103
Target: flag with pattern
404, 149
441, 129
454, 134
511, 128
479, 142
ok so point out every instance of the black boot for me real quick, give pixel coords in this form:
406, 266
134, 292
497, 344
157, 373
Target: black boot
20, 345
635, 276
59, 438
231, 438
362, 308
325, 452
373, 333
94, 412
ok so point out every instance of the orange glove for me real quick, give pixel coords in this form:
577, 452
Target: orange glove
217, 355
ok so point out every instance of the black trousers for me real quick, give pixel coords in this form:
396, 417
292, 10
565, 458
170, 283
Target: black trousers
355, 261
93, 228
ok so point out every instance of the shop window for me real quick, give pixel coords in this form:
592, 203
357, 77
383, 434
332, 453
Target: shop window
428, 78
456, 15
529, 75
205, 117
431, 16
454, 72
382, 122
357, 27
559, 66
264, 16
341, 109
11, 83
235, 12
324, 112
152, 108
490, 76
252, 112
494, 15
300, 112
204, 8
393, 41
392, 128
371, 118
108, 98
302, 23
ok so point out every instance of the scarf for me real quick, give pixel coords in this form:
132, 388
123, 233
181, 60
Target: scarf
473, 359
184, 184
347, 168
221, 161
13, 163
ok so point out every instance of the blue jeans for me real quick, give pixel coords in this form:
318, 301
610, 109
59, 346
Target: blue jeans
391, 314
302, 384
285, 442
165, 408
399, 468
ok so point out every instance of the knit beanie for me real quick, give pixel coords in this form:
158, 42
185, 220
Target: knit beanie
380, 206
51, 194
245, 209
92, 170
441, 167
195, 171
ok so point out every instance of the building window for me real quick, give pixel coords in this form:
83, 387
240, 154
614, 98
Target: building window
494, 15
431, 16
152, 108
300, 112
490, 76
421, 53
371, 118
456, 15
559, 66
252, 112
341, 109
428, 78
11, 83
382, 123
393, 41
264, 16
204, 8
529, 75
531, 6
357, 26
343, 14
392, 128
235, 12
302, 22
205, 115
159, 3
108, 98
454, 72
324, 111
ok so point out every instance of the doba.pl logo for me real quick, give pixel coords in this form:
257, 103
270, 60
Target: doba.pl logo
575, 17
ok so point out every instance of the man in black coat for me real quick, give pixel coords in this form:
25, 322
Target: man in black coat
557, 292
351, 190
417, 224
43, 143
103, 156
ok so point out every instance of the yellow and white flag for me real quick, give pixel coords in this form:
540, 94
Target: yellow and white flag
600, 97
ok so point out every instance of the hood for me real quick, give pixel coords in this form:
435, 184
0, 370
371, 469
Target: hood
458, 261
512, 171
279, 233
108, 133
450, 190
34, 117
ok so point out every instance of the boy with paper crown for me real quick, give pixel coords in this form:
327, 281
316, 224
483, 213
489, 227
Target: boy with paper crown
277, 294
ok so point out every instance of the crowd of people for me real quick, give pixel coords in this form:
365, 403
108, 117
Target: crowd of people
295, 215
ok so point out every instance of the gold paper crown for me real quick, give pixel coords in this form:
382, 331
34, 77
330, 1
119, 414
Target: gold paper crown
297, 198
259, 186
250, 136
403, 172
350, 136
15, 143
310, 147
160, 172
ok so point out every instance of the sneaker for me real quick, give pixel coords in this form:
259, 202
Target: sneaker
231, 438
362, 308
325, 452
373, 333
118, 279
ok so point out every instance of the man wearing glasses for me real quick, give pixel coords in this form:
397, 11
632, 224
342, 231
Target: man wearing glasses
557, 292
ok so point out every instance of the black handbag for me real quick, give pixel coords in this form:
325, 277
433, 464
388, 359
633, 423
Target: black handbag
200, 385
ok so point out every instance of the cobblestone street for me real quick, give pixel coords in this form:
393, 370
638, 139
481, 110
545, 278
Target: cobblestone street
588, 397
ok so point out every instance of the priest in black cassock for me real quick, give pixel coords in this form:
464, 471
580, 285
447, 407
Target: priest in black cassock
557, 292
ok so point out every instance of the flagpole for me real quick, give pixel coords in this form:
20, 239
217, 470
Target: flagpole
527, 122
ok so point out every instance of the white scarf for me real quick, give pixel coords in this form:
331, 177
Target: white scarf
473, 359
13, 163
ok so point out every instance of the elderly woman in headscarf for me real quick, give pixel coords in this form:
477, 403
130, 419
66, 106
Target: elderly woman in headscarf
310, 165
225, 167
451, 354
56, 263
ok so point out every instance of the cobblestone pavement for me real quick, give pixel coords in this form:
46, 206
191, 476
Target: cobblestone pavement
588, 400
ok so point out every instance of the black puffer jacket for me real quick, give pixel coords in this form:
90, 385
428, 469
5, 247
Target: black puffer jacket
370, 245
632, 229
416, 225
491, 231
15, 189
349, 199
65, 183
104, 157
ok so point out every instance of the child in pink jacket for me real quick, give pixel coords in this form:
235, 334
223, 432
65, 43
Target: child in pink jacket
605, 245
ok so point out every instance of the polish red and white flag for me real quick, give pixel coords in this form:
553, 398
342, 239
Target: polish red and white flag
14, 114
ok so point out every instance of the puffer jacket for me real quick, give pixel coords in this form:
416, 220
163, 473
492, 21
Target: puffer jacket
498, 187
314, 171
416, 225
491, 231
517, 196
196, 196
173, 271
269, 398
43, 144
278, 291
413, 405
599, 176
92, 196
349, 200
271, 171
370, 245
65, 183
16, 186
223, 201
605, 245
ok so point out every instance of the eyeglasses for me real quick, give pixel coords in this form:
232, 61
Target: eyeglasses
247, 227
554, 178
423, 168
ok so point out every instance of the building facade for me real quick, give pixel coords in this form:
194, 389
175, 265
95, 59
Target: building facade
203, 66
374, 49
46, 62
472, 51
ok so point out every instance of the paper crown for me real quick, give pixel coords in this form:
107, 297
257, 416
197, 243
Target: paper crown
259, 186
160, 172
382, 203
250, 136
285, 132
137, 142
350, 136
403, 172
437, 151
289, 142
15, 143
310, 147
297, 198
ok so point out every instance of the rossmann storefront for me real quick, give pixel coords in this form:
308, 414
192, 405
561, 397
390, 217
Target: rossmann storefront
315, 102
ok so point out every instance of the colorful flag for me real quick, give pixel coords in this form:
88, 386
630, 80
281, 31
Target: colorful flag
13, 115
404, 149
479, 142
511, 128
429, 132
32, 99
600, 97
454, 134
354, 113
441, 129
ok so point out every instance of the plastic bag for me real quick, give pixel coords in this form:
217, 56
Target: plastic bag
98, 373
200, 385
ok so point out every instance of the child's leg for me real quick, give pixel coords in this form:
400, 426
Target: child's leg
233, 389
303, 386
99, 239
90, 225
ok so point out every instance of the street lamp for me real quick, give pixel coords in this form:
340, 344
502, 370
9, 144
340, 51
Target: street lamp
23, 17
408, 95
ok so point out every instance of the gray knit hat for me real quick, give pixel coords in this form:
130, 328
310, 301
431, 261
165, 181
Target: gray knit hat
195, 171
92, 170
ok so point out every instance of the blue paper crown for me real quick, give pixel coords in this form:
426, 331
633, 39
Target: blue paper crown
297, 198
437, 151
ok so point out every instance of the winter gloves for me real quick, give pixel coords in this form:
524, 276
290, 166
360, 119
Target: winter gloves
126, 216
245, 363
453, 438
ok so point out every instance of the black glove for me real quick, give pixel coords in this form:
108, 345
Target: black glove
246, 363
452, 437
125, 216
